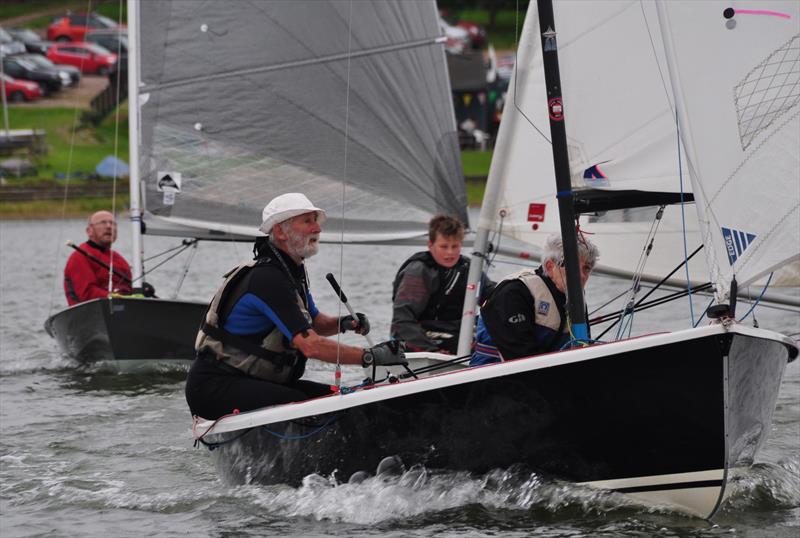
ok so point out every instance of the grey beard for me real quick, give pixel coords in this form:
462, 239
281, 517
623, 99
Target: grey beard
300, 246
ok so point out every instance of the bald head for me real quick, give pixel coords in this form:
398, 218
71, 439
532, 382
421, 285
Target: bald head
102, 228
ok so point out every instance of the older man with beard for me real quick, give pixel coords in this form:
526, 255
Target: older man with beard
262, 324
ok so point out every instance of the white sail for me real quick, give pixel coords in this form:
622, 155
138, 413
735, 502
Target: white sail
348, 102
621, 130
741, 127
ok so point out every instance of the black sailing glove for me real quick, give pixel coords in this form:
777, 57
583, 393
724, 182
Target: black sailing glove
349, 323
385, 354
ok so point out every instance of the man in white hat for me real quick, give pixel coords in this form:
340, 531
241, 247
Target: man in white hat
262, 324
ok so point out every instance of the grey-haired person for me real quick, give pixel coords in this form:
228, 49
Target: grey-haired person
525, 314
262, 324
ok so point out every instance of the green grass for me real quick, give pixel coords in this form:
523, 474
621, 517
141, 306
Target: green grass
73, 208
476, 163
475, 188
70, 147
15, 8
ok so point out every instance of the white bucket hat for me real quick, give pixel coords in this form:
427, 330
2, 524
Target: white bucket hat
286, 206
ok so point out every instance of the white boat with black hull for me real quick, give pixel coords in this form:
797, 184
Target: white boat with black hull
663, 417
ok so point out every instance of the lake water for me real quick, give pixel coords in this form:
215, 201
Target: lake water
88, 451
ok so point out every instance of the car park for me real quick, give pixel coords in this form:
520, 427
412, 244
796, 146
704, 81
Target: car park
33, 42
18, 91
114, 40
73, 27
73, 72
49, 79
8, 45
87, 57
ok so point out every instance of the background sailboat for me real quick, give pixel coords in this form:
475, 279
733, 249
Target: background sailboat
231, 107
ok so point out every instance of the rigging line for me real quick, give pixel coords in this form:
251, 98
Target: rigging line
758, 299
683, 220
338, 372
617, 316
116, 151
422, 42
655, 56
184, 247
65, 197
516, 57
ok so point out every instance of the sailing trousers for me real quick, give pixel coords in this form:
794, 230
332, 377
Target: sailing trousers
214, 389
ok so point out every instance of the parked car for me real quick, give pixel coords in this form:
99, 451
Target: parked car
456, 39
73, 72
114, 40
18, 91
33, 42
49, 79
87, 57
73, 27
8, 45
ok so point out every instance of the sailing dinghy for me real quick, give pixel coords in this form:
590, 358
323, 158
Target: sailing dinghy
667, 418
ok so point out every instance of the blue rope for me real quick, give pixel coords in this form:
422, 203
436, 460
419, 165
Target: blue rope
759, 298
303, 436
575, 341
683, 222
704, 313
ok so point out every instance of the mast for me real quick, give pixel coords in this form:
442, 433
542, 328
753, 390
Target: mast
133, 134
558, 133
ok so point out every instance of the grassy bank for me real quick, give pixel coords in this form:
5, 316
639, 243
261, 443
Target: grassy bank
58, 209
72, 148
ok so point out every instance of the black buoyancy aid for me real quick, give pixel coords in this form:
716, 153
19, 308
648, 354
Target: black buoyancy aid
447, 301
273, 359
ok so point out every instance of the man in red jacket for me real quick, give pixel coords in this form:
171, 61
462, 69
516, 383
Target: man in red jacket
85, 278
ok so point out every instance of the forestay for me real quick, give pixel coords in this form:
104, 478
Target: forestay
741, 128
622, 136
242, 101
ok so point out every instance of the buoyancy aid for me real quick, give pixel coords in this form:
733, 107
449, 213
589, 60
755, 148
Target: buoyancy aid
447, 301
274, 359
548, 314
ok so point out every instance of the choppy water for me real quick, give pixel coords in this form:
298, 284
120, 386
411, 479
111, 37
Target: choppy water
93, 452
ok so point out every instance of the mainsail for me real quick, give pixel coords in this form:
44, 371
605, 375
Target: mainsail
347, 102
741, 128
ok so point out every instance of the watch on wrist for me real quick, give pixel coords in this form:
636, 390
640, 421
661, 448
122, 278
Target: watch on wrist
367, 359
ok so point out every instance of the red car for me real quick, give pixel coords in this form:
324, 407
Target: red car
74, 27
87, 57
21, 90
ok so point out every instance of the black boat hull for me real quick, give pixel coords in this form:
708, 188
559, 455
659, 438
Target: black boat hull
127, 329
651, 421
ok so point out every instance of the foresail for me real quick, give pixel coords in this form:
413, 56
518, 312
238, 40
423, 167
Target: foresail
735, 68
347, 102
622, 136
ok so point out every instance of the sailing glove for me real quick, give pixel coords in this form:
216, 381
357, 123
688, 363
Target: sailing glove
349, 323
385, 354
